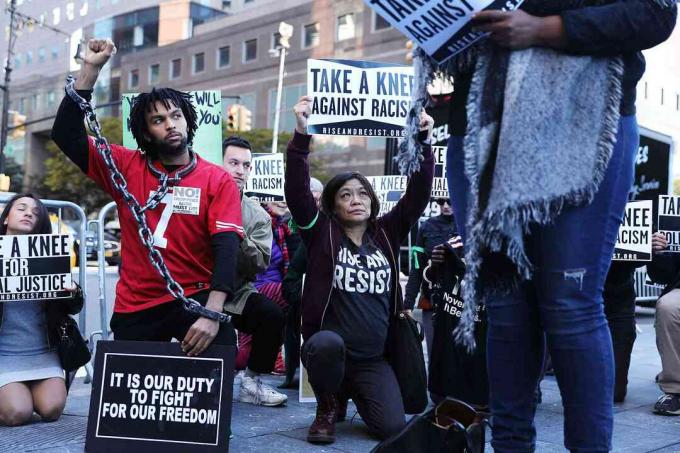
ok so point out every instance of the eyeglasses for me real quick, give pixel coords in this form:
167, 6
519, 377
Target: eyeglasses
443, 201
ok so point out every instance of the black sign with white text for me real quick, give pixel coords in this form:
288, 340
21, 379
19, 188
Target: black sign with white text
150, 395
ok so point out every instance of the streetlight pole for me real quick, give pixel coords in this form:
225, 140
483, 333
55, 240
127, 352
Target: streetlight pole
5, 87
285, 31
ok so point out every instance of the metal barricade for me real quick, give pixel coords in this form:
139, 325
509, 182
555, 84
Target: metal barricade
101, 258
646, 294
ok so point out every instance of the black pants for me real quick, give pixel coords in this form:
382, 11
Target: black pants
165, 322
371, 384
264, 320
619, 308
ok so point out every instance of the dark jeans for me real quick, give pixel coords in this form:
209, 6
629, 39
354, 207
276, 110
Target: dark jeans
563, 300
264, 320
371, 384
165, 322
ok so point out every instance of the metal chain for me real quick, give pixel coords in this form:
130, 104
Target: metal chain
138, 211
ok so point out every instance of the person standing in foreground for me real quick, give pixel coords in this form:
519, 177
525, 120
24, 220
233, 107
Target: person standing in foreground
352, 286
253, 313
196, 227
563, 238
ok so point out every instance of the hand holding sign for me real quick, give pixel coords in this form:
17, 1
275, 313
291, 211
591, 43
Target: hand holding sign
426, 123
519, 30
302, 111
659, 243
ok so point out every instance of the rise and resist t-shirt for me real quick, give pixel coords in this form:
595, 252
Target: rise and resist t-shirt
205, 202
360, 301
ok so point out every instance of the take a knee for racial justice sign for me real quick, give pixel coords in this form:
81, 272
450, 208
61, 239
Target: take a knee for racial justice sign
634, 239
266, 177
149, 396
35, 267
358, 98
441, 27
669, 221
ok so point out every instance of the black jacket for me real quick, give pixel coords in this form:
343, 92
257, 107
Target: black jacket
613, 27
665, 269
56, 310
434, 231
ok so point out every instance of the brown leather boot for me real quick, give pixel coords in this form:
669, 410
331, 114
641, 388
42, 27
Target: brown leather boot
322, 430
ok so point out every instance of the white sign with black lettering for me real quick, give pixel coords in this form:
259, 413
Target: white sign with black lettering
634, 240
35, 267
358, 98
266, 177
669, 221
186, 200
441, 27
389, 190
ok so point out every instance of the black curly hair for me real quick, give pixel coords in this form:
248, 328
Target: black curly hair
145, 102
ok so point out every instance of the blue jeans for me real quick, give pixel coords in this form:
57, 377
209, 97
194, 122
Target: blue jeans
563, 304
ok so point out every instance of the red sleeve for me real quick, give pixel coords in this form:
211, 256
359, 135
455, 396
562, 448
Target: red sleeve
97, 170
224, 211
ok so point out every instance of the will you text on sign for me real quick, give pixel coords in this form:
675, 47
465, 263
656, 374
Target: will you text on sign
441, 27
634, 240
35, 267
358, 98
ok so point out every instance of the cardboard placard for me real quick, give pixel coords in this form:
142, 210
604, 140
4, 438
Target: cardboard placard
35, 267
149, 396
441, 27
669, 221
389, 190
358, 98
208, 137
266, 178
634, 240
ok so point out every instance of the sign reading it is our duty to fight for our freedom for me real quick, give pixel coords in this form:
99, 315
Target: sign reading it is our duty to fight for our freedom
149, 396
35, 267
634, 240
441, 27
266, 177
358, 98
208, 138
669, 221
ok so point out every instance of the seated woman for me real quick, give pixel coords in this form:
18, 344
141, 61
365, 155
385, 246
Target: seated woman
352, 285
31, 376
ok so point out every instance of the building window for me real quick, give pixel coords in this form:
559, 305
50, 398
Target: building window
223, 56
56, 16
154, 72
310, 36
175, 68
51, 98
289, 98
133, 82
379, 23
346, 27
29, 57
250, 50
662, 96
677, 102
276, 38
55, 52
17, 61
41, 55
198, 64
70, 11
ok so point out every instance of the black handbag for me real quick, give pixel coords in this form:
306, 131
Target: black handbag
451, 427
405, 355
72, 348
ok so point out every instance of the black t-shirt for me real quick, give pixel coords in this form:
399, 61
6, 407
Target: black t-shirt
360, 300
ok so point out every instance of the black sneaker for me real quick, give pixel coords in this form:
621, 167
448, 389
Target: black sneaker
668, 404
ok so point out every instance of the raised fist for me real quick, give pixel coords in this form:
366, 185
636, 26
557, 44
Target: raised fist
98, 52
302, 111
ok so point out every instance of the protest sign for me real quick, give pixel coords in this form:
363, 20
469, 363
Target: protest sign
358, 98
35, 267
441, 27
266, 177
652, 166
440, 188
389, 190
150, 395
634, 240
208, 138
669, 221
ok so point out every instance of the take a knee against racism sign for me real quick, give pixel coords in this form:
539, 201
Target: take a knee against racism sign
35, 267
149, 396
441, 27
266, 178
634, 239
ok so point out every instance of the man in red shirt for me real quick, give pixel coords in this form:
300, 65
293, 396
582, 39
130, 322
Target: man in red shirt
196, 227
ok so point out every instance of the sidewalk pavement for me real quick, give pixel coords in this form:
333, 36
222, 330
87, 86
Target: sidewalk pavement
262, 429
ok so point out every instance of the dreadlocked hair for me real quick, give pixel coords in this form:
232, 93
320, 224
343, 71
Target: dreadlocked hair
145, 102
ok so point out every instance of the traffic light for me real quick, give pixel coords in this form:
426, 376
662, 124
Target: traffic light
16, 123
409, 51
233, 117
245, 119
